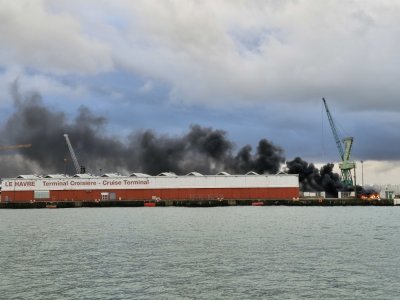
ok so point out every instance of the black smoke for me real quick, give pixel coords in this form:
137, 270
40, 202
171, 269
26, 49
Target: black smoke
268, 157
313, 179
202, 149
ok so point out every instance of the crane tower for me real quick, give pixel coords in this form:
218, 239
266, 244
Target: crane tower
79, 169
344, 149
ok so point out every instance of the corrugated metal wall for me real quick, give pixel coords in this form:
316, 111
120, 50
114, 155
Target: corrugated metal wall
237, 187
163, 194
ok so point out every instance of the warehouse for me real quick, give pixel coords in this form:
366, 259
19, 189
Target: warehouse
143, 187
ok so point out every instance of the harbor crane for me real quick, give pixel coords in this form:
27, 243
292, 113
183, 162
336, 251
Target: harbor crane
12, 147
344, 149
79, 169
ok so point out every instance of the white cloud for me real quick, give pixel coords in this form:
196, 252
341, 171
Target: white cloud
33, 37
249, 51
215, 51
37, 82
147, 87
379, 172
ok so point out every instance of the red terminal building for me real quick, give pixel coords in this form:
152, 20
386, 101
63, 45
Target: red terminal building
143, 187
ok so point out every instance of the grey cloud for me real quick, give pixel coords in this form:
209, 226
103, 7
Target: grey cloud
34, 37
294, 50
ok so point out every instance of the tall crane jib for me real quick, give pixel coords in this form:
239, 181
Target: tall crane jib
79, 169
345, 165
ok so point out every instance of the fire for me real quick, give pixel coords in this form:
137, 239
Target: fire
370, 196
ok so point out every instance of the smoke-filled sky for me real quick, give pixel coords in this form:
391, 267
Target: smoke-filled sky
255, 70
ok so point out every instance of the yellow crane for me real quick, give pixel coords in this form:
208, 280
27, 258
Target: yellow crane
12, 147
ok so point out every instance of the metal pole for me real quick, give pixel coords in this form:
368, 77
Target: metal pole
355, 182
362, 173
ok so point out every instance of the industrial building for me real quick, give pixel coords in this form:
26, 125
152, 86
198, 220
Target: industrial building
142, 187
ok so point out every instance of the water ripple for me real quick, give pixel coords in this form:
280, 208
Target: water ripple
204, 253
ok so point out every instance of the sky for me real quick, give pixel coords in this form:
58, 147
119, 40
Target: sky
254, 69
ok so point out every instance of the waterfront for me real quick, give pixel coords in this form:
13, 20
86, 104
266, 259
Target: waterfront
273, 252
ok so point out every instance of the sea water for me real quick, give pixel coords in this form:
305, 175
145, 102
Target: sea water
272, 252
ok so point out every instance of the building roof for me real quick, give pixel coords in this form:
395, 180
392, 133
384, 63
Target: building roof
85, 175
139, 175
30, 176
252, 173
55, 176
111, 175
223, 173
169, 174
194, 174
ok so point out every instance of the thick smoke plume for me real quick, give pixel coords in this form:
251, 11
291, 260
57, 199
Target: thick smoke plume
312, 179
204, 150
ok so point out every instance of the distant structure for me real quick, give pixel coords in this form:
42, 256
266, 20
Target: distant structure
78, 168
345, 165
